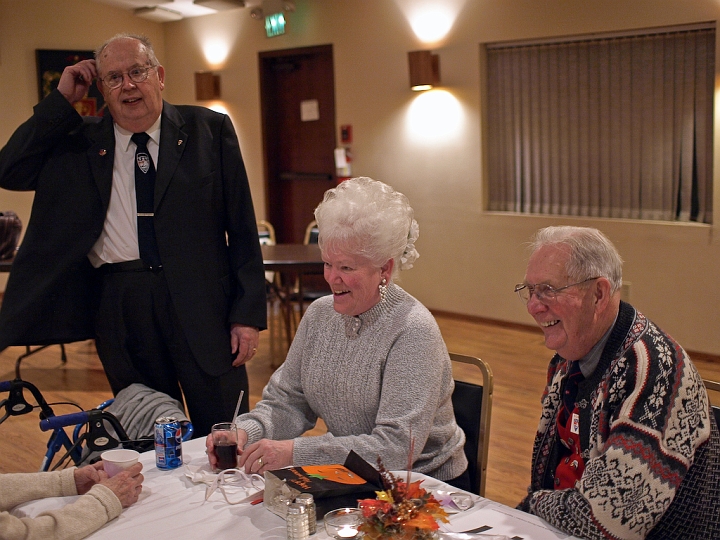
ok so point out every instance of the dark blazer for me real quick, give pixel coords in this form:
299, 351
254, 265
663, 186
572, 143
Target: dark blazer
204, 225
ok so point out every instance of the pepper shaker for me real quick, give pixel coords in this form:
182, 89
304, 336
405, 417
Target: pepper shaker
306, 499
297, 522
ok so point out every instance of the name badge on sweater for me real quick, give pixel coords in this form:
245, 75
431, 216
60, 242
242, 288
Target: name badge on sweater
575, 424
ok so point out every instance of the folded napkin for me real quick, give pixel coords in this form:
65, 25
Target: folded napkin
200, 474
455, 501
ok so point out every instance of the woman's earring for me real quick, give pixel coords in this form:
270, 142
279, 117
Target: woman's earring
383, 289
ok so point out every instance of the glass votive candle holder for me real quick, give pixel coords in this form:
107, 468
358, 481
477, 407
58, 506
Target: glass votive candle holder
343, 523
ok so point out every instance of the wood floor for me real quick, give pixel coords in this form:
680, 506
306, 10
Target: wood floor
516, 355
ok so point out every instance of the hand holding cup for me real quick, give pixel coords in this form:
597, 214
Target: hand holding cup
118, 460
126, 485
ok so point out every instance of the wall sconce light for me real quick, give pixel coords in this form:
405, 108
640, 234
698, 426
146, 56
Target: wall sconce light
207, 86
424, 70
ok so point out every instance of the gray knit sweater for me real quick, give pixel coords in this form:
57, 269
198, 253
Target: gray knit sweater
372, 378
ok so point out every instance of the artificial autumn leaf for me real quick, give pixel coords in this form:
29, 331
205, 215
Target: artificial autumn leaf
422, 521
401, 511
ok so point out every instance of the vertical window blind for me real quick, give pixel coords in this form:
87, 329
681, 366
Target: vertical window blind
614, 127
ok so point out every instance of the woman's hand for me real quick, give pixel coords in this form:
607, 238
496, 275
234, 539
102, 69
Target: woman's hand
86, 477
210, 447
126, 484
267, 455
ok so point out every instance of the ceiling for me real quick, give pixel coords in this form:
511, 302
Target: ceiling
174, 10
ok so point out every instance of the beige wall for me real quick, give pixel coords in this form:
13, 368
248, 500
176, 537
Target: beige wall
470, 259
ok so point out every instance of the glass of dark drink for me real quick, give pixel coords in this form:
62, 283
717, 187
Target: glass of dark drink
224, 436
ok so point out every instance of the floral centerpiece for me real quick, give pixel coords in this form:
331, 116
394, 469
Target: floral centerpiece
403, 511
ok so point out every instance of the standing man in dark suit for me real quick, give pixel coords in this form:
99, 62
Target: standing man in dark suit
173, 293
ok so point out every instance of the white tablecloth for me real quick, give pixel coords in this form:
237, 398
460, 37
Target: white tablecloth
172, 507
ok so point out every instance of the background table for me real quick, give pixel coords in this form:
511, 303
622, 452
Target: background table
171, 507
5, 266
300, 258
291, 261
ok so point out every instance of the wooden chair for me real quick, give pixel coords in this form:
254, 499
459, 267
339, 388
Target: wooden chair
311, 233
713, 386
472, 403
314, 286
266, 235
266, 232
276, 305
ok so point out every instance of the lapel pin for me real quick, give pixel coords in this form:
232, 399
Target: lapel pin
180, 141
102, 152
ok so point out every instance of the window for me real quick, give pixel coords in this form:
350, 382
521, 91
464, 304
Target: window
608, 126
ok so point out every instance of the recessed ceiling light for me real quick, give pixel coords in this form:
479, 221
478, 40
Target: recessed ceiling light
220, 5
158, 14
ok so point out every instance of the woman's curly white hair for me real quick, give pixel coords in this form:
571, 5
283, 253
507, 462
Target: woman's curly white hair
366, 217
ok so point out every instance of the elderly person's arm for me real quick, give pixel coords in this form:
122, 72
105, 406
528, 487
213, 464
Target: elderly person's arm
22, 158
283, 412
54, 117
102, 500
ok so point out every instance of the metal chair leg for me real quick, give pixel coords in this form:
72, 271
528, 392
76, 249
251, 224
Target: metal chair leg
29, 351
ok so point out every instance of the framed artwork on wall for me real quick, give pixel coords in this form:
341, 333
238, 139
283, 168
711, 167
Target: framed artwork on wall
50, 65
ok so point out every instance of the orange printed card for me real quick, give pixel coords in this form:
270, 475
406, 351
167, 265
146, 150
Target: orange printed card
331, 485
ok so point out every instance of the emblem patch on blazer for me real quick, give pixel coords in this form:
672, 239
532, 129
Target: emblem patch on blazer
143, 162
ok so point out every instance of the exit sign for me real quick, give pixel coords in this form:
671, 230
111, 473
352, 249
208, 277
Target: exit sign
274, 24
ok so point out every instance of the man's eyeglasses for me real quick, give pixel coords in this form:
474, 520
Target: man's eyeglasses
543, 292
137, 75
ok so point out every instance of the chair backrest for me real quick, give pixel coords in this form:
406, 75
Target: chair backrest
266, 235
314, 285
311, 233
473, 407
266, 232
714, 387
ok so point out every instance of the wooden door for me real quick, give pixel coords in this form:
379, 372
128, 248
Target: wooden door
298, 110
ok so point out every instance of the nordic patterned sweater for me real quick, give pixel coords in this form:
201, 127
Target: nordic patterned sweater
372, 378
649, 440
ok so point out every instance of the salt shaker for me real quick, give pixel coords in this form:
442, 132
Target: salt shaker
297, 522
306, 499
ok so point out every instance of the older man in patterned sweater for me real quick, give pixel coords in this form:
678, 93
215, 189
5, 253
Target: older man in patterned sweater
627, 447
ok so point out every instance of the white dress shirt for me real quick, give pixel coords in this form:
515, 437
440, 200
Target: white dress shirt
118, 241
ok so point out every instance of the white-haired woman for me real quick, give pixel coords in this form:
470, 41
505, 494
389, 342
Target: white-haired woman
369, 360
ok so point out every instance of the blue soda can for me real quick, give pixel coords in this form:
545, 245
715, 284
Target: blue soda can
168, 443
